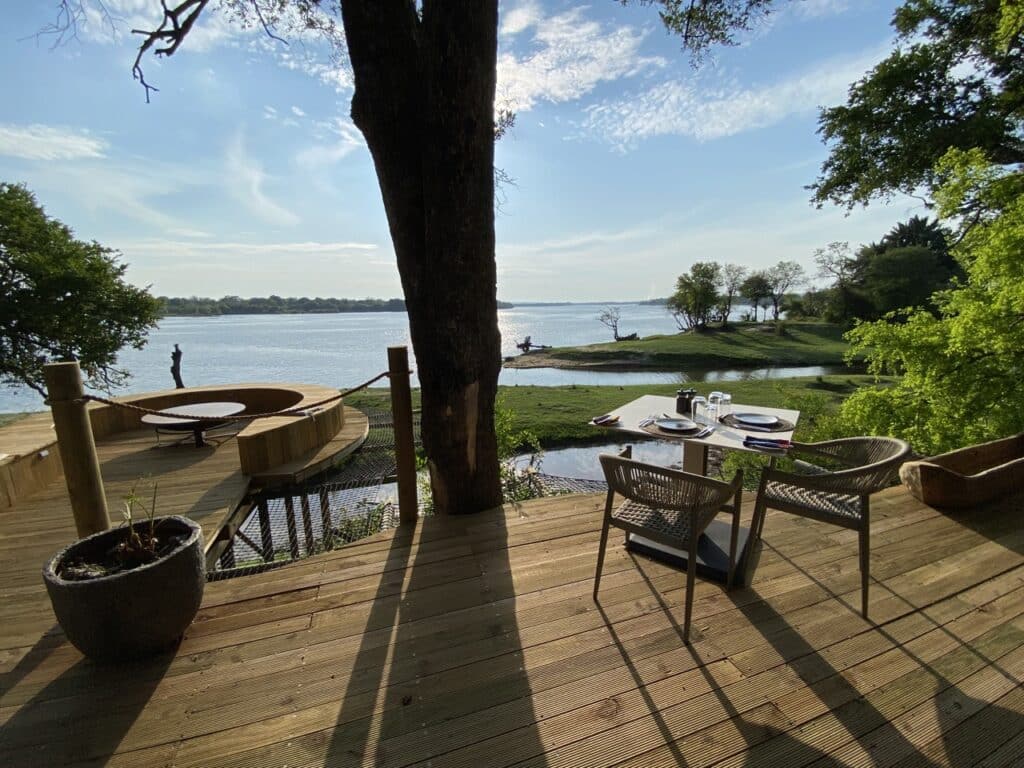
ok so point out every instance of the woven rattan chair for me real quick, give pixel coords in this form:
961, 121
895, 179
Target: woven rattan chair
668, 507
834, 485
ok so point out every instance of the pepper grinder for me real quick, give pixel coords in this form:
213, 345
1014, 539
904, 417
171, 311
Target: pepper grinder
684, 400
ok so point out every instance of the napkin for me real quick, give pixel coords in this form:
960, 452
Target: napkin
607, 420
766, 443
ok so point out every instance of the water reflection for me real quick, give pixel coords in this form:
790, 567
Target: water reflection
581, 462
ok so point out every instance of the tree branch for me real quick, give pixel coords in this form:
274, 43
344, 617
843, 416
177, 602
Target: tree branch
175, 26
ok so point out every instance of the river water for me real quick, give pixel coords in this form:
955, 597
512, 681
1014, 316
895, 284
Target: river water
342, 350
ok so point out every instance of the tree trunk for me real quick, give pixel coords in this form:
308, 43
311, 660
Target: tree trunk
424, 100
176, 368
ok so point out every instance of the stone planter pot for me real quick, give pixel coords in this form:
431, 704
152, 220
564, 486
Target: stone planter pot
136, 613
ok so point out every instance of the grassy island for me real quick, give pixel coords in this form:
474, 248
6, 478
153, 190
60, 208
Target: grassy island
740, 345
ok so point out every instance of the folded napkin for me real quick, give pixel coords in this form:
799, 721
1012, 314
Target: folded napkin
766, 443
605, 421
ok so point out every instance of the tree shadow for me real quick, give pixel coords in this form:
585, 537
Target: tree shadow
81, 715
956, 711
968, 727
991, 519
158, 460
455, 650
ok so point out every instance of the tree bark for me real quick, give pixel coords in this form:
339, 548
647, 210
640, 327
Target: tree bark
424, 101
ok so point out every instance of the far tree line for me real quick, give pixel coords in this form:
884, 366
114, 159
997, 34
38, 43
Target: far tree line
904, 269
276, 305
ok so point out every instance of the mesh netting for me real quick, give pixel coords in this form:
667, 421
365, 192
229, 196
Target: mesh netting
349, 502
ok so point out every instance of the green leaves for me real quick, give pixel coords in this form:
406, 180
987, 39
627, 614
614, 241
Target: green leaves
962, 372
63, 298
957, 80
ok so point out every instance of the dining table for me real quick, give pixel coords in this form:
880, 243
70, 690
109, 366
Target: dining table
641, 417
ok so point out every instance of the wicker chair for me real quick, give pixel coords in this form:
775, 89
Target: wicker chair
840, 496
668, 507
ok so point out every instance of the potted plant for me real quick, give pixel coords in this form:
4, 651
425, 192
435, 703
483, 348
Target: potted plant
129, 592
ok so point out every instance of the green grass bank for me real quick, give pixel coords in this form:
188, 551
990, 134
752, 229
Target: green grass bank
741, 345
558, 416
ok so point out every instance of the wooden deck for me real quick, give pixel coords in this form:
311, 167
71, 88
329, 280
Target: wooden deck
474, 642
205, 484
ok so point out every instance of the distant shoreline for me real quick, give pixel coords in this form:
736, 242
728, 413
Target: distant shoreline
198, 306
276, 305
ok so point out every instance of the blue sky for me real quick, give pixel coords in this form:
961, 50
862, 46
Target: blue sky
246, 176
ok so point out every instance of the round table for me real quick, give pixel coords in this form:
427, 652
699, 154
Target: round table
176, 418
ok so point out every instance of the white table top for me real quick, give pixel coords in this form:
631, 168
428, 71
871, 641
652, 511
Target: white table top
178, 415
631, 414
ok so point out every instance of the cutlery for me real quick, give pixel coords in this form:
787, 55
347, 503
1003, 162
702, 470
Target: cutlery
747, 428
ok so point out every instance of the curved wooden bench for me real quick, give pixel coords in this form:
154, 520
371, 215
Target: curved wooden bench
968, 476
263, 443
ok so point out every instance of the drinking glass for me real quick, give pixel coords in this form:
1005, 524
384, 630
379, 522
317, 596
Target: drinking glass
699, 406
714, 399
725, 405
711, 414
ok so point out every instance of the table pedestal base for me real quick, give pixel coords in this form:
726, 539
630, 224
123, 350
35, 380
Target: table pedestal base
712, 552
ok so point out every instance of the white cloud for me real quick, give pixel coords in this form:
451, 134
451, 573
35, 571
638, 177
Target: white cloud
519, 17
298, 112
813, 9
245, 180
643, 260
247, 250
696, 109
568, 57
47, 142
118, 191
341, 137
583, 242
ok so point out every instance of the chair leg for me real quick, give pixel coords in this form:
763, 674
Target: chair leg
865, 566
734, 539
691, 570
760, 506
757, 522
600, 557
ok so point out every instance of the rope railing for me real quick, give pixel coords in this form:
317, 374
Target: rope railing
299, 410
73, 425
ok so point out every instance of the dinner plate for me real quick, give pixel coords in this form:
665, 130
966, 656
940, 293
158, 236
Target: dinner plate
677, 425
756, 419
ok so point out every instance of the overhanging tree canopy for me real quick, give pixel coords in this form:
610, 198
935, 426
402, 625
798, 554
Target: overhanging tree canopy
64, 298
955, 80
960, 373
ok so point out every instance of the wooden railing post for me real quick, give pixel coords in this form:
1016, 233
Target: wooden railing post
77, 447
405, 450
